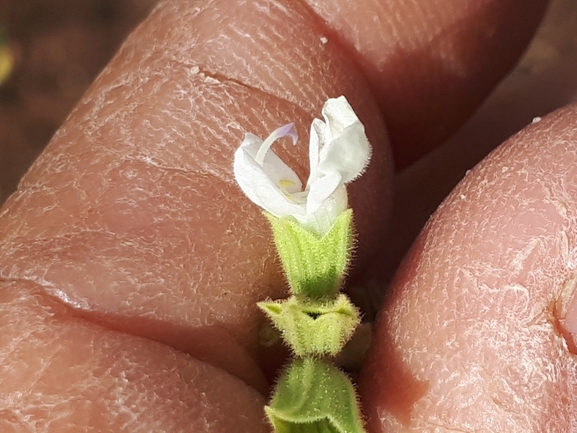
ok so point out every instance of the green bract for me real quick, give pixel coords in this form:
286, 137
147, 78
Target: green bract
314, 265
314, 397
311, 327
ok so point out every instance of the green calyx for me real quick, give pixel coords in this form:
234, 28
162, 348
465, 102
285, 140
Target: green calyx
313, 396
313, 327
314, 265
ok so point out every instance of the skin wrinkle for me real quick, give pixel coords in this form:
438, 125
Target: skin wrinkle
76, 384
145, 248
431, 21
253, 62
113, 161
489, 350
233, 96
190, 312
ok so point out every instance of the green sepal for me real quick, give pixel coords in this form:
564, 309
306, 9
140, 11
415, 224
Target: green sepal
314, 265
313, 327
314, 397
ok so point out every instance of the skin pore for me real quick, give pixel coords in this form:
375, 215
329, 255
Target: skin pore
130, 262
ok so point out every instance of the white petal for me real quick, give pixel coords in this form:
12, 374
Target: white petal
338, 152
347, 149
323, 219
317, 141
273, 166
322, 188
260, 184
287, 130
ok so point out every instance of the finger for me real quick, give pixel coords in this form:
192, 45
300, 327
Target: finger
472, 336
132, 215
62, 373
431, 64
538, 85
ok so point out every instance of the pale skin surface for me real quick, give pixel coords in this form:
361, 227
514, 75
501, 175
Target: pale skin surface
131, 262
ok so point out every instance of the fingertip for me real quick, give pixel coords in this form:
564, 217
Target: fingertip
471, 313
430, 64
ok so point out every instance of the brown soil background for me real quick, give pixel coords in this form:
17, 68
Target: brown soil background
60, 47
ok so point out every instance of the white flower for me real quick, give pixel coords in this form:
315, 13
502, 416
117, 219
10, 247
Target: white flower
339, 151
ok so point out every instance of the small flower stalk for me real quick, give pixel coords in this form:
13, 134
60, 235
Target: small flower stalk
313, 232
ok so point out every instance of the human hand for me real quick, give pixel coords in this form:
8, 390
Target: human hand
131, 262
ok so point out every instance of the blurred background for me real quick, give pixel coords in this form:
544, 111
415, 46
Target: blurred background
55, 49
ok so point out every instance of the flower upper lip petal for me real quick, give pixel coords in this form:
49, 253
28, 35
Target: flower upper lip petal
347, 150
